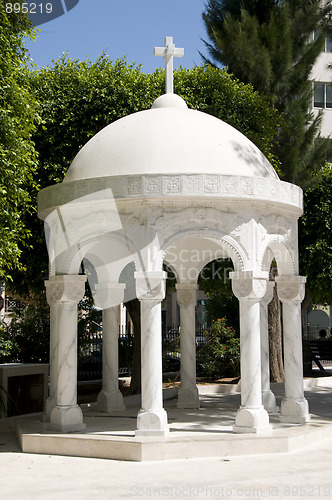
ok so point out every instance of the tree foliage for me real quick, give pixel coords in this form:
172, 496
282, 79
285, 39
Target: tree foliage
271, 45
17, 154
315, 239
221, 302
220, 356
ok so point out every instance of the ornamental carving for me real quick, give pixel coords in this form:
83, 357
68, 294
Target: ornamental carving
200, 216
276, 224
186, 294
65, 288
230, 185
241, 287
150, 286
171, 222
249, 288
275, 188
193, 183
172, 184
211, 184
291, 288
153, 185
132, 225
134, 186
247, 186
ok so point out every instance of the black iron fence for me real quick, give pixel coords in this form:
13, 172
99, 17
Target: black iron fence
90, 356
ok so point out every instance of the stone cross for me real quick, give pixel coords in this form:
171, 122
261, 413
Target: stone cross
168, 52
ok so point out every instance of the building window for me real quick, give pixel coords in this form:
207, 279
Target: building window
323, 95
328, 44
328, 41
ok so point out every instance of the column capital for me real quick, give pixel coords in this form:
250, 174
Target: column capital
186, 293
247, 285
65, 288
291, 288
109, 295
269, 293
150, 285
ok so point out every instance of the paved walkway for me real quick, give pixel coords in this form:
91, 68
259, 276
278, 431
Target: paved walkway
306, 473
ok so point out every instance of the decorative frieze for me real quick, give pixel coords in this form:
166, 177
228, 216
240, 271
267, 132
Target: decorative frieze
184, 185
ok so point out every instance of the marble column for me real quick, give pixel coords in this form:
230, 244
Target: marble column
54, 345
294, 406
250, 289
109, 297
65, 292
268, 398
188, 392
152, 418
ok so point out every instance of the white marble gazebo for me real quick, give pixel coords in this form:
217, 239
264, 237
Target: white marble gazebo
174, 186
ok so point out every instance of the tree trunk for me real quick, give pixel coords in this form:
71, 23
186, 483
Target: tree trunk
275, 335
134, 310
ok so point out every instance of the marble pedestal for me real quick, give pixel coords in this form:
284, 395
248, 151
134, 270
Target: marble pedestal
67, 419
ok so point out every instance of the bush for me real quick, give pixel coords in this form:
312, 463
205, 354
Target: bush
220, 356
27, 339
8, 347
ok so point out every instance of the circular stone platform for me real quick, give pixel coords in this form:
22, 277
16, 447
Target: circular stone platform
206, 432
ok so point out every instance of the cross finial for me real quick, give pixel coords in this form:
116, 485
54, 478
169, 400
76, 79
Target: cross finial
168, 52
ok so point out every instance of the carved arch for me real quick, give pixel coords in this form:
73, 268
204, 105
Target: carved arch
186, 269
286, 261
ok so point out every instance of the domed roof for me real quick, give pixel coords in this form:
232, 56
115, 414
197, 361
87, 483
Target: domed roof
169, 138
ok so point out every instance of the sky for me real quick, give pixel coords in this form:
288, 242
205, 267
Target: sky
130, 28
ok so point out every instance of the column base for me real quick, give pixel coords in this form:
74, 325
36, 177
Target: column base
252, 420
110, 401
294, 411
67, 419
152, 423
188, 398
269, 402
49, 406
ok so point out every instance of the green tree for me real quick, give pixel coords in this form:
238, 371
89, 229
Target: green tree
216, 285
274, 46
271, 45
220, 356
17, 154
315, 241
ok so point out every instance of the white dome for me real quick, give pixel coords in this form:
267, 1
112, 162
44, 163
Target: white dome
169, 139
